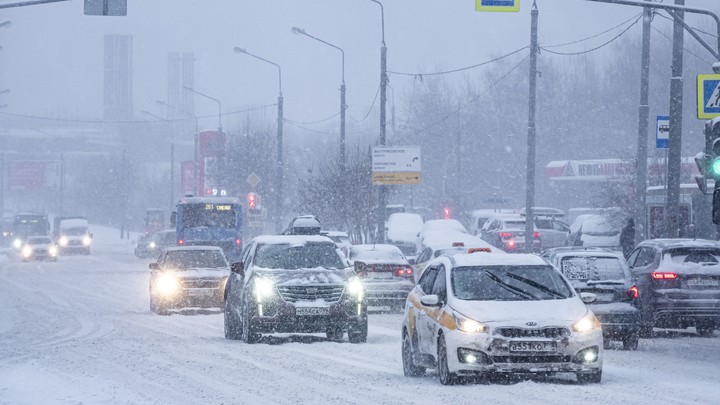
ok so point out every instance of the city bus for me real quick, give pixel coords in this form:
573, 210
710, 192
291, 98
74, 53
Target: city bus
210, 221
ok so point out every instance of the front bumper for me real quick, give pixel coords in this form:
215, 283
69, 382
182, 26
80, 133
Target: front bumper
682, 308
616, 325
282, 317
493, 354
387, 292
211, 295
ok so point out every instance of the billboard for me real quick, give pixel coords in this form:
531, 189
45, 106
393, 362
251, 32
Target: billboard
33, 175
187, 177
211, 147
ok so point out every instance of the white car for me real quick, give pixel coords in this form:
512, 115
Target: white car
481, 313
432, 226
39, 248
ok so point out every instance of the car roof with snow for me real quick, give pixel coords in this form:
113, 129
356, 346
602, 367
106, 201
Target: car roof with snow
436, 224
291, 239
680, 243
446, 238
590, 253
495, 259
196, 247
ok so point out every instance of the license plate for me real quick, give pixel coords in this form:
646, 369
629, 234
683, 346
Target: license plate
604, 297
703, 282
380, 275
305, 311
200, 292
533, 347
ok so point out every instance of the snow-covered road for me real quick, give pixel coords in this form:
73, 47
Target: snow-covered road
80, 331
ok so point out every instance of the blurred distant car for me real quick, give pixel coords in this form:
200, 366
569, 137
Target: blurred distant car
385, 272
595, 230
449, 242
188, 276
155, 244
303, 225
605, 274
39, 248
479, 217
679, 284
507, 232
553, 232
402, 231
437, 225
341, 239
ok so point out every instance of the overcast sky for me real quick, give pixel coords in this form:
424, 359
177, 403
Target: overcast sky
51, 56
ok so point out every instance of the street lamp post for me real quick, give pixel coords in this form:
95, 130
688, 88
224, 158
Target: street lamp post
196, 146
186, 87
300, 31
382, 192
279, 174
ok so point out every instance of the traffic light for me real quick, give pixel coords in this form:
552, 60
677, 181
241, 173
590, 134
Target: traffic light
712, 165
251, 201
446, 213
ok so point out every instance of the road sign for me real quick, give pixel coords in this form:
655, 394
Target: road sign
708, 96
396, 165
662, 132
497, 5
253, 180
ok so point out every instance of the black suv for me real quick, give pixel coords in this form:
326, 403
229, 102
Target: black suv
679, 284
294, 284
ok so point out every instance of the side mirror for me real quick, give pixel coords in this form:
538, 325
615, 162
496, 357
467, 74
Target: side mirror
588, 298
173, 218
431, 300
238, 268
411, 260
154, 266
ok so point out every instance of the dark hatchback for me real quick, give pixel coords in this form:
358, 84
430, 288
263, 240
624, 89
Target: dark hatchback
605, 274
294, 284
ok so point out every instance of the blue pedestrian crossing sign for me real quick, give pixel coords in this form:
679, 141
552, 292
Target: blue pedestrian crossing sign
708, 96
497, 5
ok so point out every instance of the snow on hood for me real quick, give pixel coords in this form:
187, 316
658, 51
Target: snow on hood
317, 275
613, 308
544, 312
212, 272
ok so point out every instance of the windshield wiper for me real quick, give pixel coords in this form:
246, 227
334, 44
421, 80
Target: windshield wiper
510, 288
536, 285
614, 282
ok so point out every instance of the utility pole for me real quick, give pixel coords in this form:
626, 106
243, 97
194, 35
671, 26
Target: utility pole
672, 206
382, 200
279, 190
343, 163
643, 125
530, 186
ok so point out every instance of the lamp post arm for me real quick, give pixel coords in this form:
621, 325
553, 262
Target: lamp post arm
382, 17
334, 46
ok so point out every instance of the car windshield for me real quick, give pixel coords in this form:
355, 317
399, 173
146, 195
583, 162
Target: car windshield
509, 283
293, 257
75, 231
695, 255
515, 225
544, 223
185, 259
584, 268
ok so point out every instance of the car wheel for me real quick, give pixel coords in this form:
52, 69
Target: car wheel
446, 377
630, 342
646, 331
156, 306
358, 333
248, 336
705, 331
335, 334
590, 378
409, 367
233, 327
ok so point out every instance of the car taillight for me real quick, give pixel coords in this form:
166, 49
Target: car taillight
656, 275
181, 242
505, 234
536, 234
511, 243
403, 272
237, 242
633, 292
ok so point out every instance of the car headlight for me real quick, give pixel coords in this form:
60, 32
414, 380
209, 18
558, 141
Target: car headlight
587, 324
86, 240
468, 325
27, 251
167, 283
17, 243
355, 288
63, 241
53, 251
264, 289
152, 245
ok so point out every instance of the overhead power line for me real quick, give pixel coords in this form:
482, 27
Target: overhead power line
459, 69
613, 39
596, 35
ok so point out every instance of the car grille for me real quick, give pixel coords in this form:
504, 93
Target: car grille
550, 333
201, 282
327, 293
531, 359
